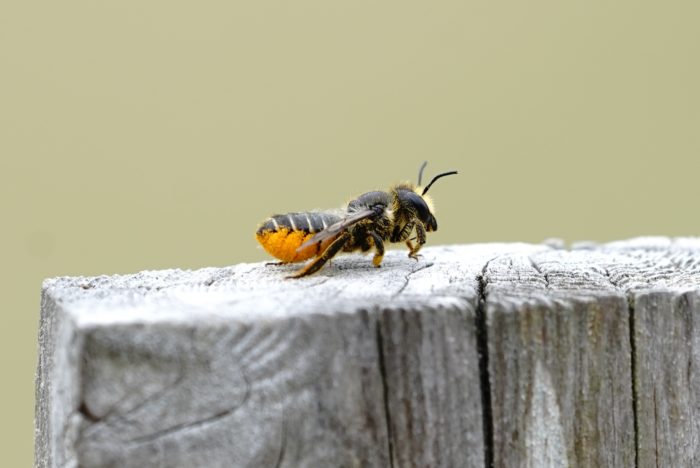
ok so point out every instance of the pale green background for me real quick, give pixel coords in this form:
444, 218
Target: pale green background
152, 134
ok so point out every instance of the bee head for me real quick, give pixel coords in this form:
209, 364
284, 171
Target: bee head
421, 204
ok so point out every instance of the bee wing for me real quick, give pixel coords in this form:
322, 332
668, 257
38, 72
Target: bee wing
335, 229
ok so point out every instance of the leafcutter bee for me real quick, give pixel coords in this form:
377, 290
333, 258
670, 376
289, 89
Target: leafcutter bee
368, 222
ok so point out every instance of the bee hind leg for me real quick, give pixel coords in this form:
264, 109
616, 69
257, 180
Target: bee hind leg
379, 246
318, 262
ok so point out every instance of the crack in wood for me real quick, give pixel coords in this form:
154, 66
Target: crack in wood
385, 388
283, 444
656, 430
407, 278
539, 271
633, 372
483, 356
87, 414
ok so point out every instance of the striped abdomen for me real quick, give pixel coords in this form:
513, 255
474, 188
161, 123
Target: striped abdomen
281, 235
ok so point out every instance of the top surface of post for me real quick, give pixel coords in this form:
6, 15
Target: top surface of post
256, 291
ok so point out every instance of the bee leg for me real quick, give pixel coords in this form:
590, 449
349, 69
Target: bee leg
403, 233
379, 245
276, 263
412, 250
327, 254
421, 238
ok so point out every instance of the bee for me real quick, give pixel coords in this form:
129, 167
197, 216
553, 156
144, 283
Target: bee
368, 222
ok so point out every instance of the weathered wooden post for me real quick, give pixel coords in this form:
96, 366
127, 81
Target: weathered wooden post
503, 354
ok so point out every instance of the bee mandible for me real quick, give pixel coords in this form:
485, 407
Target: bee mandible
368, 222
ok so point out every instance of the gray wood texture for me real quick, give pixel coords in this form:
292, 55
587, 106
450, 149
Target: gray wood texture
502, 354
661, 278
559, 363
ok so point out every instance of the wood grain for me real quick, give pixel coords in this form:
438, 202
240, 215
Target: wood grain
479, 355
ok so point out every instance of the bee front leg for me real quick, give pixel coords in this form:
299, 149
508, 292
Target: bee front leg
379, 246
402, 234
321, 260
421, 238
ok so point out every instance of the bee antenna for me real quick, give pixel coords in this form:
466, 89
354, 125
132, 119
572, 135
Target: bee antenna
425, 190
420, 171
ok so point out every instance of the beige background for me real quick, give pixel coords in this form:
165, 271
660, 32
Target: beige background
152, 134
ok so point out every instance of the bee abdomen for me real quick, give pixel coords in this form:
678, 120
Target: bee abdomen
281, 235
311, 222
